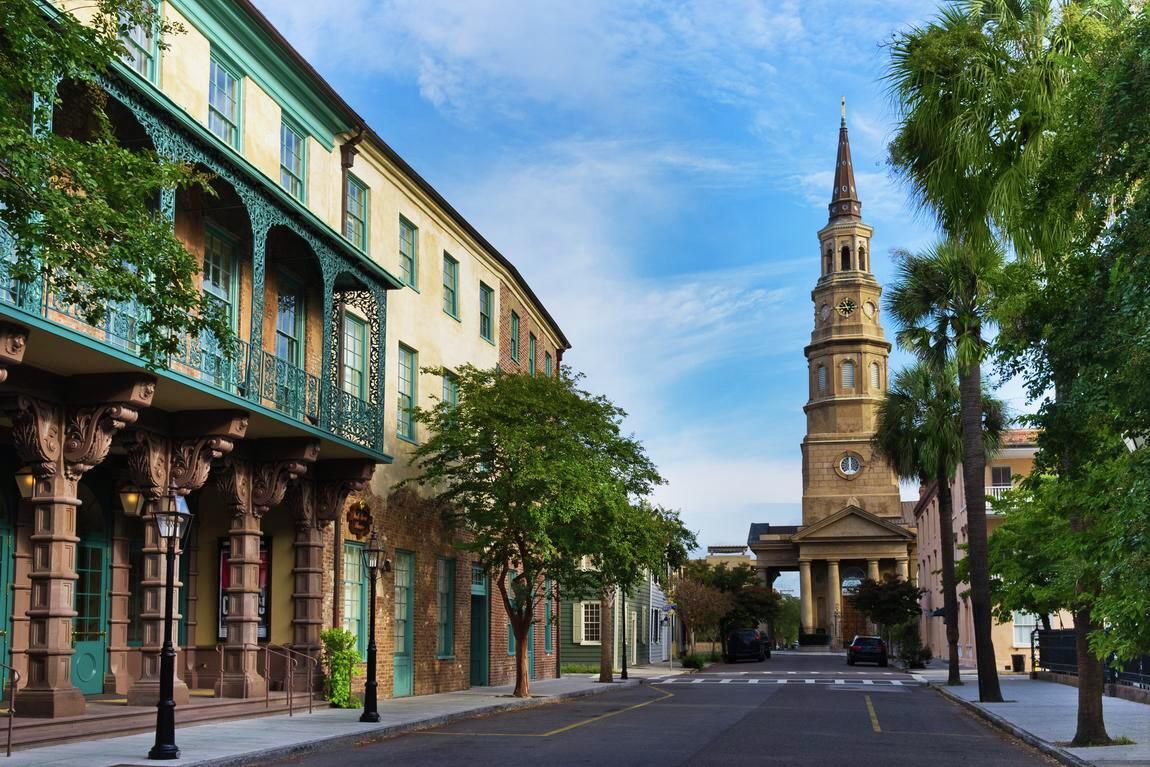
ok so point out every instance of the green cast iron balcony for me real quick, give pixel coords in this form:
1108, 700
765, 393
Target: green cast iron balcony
258, 376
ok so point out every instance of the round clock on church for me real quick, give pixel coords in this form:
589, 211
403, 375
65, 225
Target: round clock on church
846, 307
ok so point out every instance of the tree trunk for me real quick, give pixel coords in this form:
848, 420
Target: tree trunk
522, 629
607, 636
974, 485
1045, 618
1091, 722
949, 583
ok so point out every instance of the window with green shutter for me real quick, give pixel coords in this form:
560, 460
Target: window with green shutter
450, 286
293, 161
486, 312
445, 581
355, 214
224, 102
405, 415
408, 252
355, 594
547, 364
531, 353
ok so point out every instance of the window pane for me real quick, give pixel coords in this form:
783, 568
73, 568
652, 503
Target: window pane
223, 104
405, 415
140, 42
486, 310
450, 390
288, 312
450, 285
354, 356
591, 611
531, 353
355, 216
514, 336
407, 252
291, 161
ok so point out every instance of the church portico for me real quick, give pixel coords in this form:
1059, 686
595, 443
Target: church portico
852, 526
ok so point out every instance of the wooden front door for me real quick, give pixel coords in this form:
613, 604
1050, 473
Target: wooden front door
89, 637
853, 621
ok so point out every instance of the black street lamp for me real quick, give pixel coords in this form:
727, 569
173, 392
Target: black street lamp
375, 561
171, 519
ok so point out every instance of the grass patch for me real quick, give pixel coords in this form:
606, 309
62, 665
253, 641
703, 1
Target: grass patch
579, 668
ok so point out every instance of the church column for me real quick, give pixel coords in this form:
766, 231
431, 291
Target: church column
872, 569
903, 568
834, 603
806, 597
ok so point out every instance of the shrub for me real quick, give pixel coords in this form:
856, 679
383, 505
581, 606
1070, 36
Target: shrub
339, 658
694, 660
579, 668
911, 651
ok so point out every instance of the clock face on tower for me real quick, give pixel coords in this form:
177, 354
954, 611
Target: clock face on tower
846, 307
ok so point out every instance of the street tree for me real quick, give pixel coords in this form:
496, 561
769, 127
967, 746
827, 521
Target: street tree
889, 603
919, 432
79, 212
942, 301
524, 466
701, 608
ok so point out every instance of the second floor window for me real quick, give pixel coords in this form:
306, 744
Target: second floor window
219, 271
355, 356
547, 364
531, 353
514, 336
450, 286
486, 312
224, 104
289, 322
405, 415
355, 215
450, 390
292, 161
1000, 476
140, 41
408, 256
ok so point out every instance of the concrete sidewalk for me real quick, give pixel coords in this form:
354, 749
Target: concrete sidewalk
259, 739
1045, 714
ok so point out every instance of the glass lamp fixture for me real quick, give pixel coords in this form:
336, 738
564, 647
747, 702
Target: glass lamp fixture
131, 501
26, 481
172, 518
373, 554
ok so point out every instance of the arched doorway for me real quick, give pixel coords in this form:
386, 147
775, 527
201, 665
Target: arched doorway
89, 627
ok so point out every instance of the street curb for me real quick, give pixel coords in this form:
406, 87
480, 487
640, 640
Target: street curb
1027, 737
374, 734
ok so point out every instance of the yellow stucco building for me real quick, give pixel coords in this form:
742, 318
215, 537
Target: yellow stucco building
852, 517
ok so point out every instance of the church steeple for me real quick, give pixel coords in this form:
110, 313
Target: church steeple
844, 197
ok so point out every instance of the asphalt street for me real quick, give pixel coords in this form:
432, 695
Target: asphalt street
790, 710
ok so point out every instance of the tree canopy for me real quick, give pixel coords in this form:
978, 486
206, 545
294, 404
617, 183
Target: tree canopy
79, 212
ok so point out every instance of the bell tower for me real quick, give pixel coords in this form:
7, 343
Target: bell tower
847, 362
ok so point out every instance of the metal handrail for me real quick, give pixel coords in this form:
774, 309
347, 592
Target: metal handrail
267, 650
14, 679
312, 670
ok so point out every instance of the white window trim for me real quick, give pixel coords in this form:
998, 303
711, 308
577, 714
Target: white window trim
577, 623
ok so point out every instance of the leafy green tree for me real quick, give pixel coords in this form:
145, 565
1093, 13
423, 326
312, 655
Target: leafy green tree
524, 466
942, 300
700, 608
919, 431
786, 621
751, 602
78, 211
890, 602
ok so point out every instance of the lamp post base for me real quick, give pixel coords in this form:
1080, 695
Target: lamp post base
165, 751
369, 716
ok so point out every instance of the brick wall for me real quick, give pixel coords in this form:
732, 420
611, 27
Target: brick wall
527, 325
502, 670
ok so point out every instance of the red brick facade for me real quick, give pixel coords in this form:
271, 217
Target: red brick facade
502, 669
528, 325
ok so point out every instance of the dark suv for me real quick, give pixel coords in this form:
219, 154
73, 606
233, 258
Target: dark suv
746, 644
867, 650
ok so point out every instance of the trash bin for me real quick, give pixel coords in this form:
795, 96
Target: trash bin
1018, 663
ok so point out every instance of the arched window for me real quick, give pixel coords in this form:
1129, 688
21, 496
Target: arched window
829, 266
846, 257
822, 378
862, 258
848, 375
875, 376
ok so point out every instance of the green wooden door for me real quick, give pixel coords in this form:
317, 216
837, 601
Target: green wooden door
403, 571
531, 652
480, 652
89, 639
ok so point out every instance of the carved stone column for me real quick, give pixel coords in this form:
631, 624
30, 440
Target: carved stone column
834, 603
315, 505
251, 487
159, 465
806, 597
59, 444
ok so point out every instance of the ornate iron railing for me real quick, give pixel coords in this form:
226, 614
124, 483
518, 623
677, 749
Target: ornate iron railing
260, 377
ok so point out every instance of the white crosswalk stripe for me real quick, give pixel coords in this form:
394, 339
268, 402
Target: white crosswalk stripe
824, 681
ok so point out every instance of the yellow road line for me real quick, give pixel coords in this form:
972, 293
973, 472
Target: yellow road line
873, 715
557, 731
608, 715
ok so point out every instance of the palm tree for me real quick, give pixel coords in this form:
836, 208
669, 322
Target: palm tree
919, 432
941, 300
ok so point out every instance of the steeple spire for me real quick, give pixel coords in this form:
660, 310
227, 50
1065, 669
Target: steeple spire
844, 197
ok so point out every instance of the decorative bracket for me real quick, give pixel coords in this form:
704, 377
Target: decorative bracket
335, 481
13, 342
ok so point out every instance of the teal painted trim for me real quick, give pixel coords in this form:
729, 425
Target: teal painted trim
355, 549
21, 316
451, 267
487, 311
445, 644
227, 26
254, 175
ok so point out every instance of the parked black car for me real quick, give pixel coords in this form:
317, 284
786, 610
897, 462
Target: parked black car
746, 644
867, 650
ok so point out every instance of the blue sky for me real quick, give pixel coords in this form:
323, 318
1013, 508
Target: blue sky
657, 170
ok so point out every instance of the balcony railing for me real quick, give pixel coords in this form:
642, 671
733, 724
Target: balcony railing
259, 377
997, 491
